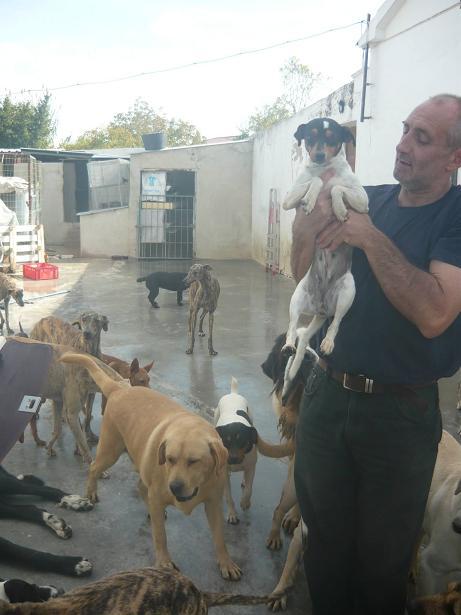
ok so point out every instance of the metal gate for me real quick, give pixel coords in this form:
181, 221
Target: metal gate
166, 229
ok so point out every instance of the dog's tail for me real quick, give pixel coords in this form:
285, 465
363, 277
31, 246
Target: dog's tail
275, 451
217, 599
143, 279
104, 382
234, 385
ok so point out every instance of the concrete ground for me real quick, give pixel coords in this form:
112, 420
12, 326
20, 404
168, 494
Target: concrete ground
253, 310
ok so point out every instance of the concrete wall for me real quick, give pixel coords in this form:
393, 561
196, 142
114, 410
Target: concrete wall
275, 167
104, 233
406, 66
57, 232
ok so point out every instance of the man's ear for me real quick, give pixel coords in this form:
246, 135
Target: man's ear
455, 161
300, 133
347, 136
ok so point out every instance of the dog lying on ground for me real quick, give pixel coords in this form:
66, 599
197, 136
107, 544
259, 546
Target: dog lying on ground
440, 558
234, 423
203, 294
445, 603
84, 335
68, 387
8, 291
28, 485
328, 288
145, 590
167, 280
17, 590
179, 456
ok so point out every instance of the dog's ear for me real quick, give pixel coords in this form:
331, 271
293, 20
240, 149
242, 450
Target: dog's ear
458, 488
148, 367
105, 323
208, 267
162, 453
254, 436
134, 367
347, 136
219, 453
77, 324
300, 133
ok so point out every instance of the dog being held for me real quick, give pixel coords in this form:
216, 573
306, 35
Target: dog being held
173, 280
327, 290
234, 423
155, 591
179, 456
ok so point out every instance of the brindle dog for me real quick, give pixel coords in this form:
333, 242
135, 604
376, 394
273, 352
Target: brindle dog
203, 293
154, 591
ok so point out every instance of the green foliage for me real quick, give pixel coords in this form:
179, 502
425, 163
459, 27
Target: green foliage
126, 130
298, 81
24, 124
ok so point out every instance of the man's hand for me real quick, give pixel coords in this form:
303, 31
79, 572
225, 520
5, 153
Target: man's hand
358, 230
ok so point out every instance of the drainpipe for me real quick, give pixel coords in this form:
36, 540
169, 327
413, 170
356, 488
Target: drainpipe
365, 76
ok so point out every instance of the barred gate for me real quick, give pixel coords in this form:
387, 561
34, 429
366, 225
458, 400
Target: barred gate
166, 228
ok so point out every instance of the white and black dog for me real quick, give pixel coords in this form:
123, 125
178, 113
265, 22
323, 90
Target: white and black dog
17, 590
234, 424
328, 289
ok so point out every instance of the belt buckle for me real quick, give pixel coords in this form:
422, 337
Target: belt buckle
367, 384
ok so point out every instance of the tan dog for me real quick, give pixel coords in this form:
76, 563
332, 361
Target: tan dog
146, 590
179, 456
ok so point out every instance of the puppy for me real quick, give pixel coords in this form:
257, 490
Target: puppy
17, 590
234, 424
149, 591
328, 289
167, 280
179, 456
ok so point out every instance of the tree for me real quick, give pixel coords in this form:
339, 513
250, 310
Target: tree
298, 81
126, 130
25, 124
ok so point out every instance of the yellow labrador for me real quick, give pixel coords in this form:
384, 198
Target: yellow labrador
179, 456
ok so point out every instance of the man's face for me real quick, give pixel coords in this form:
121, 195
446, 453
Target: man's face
423, 157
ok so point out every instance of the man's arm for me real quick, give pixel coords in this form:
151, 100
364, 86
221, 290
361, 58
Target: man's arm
430, 300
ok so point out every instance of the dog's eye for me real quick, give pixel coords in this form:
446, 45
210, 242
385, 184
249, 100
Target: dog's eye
171, 459
191, 461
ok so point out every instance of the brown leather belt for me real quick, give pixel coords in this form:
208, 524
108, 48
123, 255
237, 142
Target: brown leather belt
361, 384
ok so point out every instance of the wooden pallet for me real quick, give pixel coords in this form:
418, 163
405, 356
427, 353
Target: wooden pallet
23, 243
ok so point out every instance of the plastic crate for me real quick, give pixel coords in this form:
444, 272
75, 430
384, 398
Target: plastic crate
40, 271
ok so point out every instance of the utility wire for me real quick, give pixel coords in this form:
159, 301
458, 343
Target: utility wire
190, 64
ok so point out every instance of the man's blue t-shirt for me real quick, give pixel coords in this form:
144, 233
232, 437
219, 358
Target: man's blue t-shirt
374, 339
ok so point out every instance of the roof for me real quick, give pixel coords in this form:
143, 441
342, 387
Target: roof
47, 155
378, 24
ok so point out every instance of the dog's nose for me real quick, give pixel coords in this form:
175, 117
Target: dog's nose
233, 460
176, 487
320, 157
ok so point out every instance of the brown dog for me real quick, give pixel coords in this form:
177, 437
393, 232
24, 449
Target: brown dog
203, 294
8, 291
179, 456
145, 590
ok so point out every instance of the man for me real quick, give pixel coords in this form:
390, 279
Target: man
370, 422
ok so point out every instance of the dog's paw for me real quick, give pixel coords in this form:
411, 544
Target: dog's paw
245, 503
233, 519
92, 496
50, 452
40, 442
290, 522
91, 437
166, 564
277, 602
76, 502
189, 351
288, 350
229, 570
212, 353
274, 541
327, 345
83, 568
201, 334
57, 525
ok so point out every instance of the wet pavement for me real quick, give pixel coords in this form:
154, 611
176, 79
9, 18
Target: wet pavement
252, 311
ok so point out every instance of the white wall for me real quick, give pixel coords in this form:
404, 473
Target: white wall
104, 233
406, 68
274, 168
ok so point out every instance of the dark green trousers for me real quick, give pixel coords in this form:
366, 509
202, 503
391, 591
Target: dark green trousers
363, 469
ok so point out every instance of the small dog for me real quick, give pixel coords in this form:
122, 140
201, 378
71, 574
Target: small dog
234, 423
17, 590
203, 294
8, 291
167, 280
445, 603
328, 289
154, 591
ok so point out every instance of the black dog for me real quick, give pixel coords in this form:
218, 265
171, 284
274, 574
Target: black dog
164, 279
31, 485
17, 590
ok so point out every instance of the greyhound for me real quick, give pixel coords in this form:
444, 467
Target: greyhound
203, 293
8, 291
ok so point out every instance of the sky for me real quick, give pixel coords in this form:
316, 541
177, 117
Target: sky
47, 44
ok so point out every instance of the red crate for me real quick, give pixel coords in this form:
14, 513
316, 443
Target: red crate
40, 271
